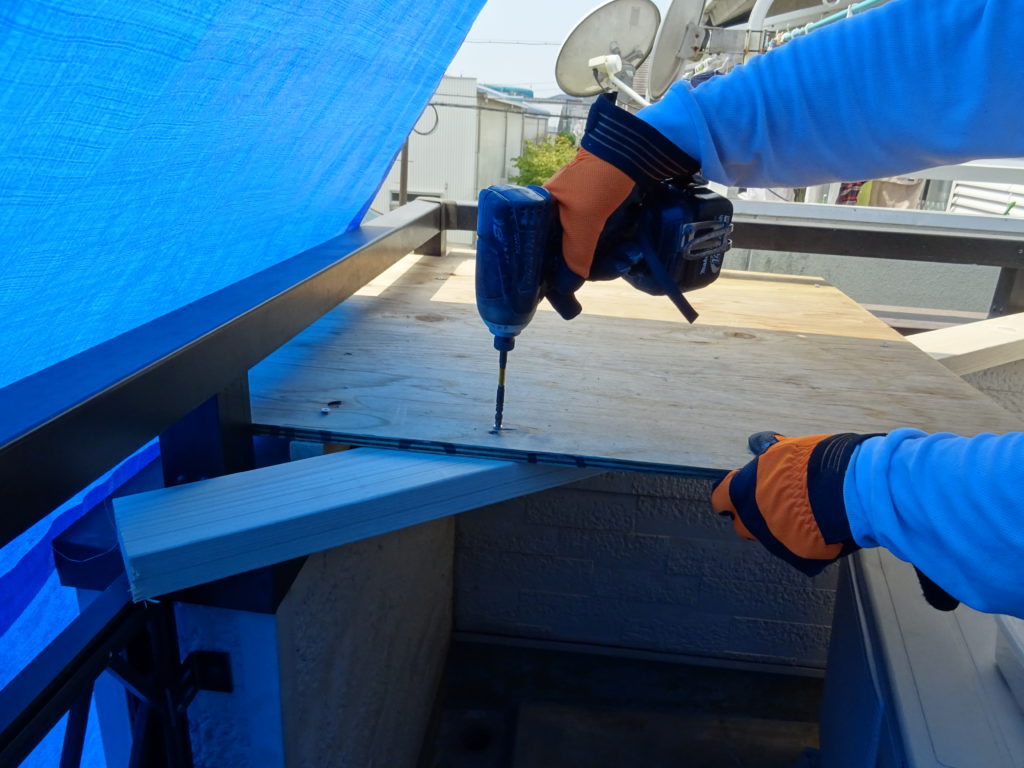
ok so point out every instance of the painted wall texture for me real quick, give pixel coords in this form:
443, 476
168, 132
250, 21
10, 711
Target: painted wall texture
635, 562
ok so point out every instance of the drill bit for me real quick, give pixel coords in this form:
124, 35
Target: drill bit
499, 399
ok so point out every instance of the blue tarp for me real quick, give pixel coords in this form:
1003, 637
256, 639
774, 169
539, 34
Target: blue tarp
34, 608
153, 152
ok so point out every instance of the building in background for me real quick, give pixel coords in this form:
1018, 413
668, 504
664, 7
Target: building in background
567, 114
465, 140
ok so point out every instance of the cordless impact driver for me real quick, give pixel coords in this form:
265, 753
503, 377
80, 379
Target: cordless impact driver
668, 240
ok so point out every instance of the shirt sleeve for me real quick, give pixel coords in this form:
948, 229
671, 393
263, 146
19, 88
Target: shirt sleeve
953, 506
908, 85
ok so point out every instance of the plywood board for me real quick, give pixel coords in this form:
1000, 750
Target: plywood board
974, 347
178, 537
627, 385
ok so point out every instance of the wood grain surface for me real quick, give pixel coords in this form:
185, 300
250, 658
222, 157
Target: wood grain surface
974, 347
407, 363
177, 537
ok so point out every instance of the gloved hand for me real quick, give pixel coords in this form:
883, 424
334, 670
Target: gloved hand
790, 498
620, 154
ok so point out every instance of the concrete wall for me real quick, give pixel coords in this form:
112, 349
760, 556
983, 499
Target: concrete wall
635, 562
961, 287
362, 638
640, 562
345, 673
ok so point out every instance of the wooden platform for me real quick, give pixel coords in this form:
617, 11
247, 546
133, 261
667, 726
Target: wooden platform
407, 363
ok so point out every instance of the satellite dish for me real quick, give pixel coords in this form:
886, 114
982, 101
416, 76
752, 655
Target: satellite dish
625, 28
680, 43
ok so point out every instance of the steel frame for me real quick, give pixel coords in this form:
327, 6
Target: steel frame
60, 678
67, 424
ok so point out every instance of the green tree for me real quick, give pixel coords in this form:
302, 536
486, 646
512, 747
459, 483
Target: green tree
541, 159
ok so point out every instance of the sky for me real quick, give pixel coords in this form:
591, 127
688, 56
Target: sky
538, 28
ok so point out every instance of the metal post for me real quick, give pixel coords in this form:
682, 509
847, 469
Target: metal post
163, 639
1009, 294
438, 245
215, 439
212, 440
74, 730
142, 722
403, 175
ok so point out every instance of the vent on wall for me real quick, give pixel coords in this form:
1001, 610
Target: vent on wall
978, 197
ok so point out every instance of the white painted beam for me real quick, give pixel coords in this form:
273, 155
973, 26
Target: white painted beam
976, 346
178, 537
1005, 171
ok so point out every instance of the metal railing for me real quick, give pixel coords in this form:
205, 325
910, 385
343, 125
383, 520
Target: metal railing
135, 642
67, 424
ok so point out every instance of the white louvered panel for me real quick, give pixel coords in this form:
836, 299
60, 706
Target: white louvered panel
972, 197
1017, 196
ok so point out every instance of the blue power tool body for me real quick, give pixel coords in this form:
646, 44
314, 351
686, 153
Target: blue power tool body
664, 241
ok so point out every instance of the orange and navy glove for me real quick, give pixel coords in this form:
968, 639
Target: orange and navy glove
620, 157
790, 498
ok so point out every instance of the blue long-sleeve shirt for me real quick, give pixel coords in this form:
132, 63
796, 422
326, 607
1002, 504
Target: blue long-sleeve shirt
909, 85
953, 506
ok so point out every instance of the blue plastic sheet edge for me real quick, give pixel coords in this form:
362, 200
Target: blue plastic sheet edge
21, 583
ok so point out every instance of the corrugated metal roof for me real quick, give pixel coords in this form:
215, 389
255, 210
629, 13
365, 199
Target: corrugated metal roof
492, 95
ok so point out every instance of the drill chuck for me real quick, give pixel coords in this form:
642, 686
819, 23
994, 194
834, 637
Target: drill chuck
504, 343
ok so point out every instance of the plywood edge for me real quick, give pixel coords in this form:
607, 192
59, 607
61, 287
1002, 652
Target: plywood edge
973, 347
496, 453
773, 277
239, 522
